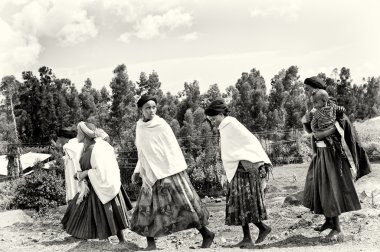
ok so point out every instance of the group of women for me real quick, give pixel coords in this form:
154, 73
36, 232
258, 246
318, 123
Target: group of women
168, 202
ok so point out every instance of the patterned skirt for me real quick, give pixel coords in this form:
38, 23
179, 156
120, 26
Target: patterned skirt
329, 189
173, 205
92, 219
245, 199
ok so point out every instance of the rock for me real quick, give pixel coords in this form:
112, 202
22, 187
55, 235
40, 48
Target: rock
206, 199
271, 189
294, 199
8, 218
369, 187
223, 240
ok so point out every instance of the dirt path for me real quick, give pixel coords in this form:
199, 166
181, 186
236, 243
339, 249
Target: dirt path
292, 227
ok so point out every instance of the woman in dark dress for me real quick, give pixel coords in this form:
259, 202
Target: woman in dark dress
329, 187
101, 211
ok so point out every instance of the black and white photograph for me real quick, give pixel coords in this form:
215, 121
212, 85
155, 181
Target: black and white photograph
142, 125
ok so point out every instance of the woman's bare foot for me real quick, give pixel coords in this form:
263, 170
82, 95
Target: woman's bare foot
263, 234
247, 243
207, 240
150, 247
335, 235
326, 225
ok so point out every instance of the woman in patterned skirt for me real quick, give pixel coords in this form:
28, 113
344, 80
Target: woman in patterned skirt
101, 210
246, 165
167, 202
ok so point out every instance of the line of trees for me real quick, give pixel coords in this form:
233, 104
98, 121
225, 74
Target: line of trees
38, 106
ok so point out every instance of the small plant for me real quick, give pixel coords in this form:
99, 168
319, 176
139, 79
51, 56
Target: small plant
40, 191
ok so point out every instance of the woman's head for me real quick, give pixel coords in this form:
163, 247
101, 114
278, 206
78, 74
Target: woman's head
148, 106
313, 83
216, 111
86, 131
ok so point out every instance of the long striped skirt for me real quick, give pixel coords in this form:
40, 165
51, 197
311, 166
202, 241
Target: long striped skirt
172, 206
91, 219
245, 199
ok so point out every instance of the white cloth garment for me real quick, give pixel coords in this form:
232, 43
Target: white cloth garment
104, 174
158, 151
237, 143
73, 151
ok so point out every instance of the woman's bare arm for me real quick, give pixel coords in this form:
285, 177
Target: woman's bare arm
322, 134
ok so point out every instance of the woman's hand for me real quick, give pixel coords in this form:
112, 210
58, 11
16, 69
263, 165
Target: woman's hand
135, 178
81, 175
322, 134
318, 135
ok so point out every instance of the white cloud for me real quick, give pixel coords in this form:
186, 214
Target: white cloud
153, 26
17, 50
67, 21
133, 10
149, 19
190, 36
125, 37
28, 23
77, 32
283, 9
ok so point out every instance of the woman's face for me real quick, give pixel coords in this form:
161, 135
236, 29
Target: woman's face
149, 109
80, 136
308, 90
216, 120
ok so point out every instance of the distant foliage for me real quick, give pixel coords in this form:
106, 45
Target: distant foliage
43, 104
40, 191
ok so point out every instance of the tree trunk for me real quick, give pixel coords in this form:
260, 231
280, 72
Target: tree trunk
17, 162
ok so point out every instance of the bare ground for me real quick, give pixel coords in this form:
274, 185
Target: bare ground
292, 226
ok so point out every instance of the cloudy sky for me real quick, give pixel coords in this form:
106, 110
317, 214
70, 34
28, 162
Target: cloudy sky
212, 41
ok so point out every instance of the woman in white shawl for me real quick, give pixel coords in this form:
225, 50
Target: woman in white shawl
246, 165
167, 202
102, 212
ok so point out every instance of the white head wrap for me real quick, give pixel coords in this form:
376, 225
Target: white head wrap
91, 133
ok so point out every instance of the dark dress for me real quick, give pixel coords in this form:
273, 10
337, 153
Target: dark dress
92, 219
172, 206
329, 188
359, 155
245, 200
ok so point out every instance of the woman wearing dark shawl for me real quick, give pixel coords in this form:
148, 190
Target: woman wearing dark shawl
329, 188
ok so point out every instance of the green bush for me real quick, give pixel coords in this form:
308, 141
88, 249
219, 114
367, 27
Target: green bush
8, 193
40, 191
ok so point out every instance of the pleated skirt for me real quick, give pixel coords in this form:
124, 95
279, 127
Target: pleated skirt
172, 205
329, 187
92, 219
245, 199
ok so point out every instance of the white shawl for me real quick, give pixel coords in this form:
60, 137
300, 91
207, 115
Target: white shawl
238, 144
104, 173
73, 151
158, 151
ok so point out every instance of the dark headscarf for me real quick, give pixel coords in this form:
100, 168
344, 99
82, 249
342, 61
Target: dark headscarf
144, 99
216, 107
315, 82
67, 132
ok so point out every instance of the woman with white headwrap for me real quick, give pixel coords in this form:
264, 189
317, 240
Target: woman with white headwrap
103, 211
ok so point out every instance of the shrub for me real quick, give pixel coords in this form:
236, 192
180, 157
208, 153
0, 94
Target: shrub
8, 193
40, 191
